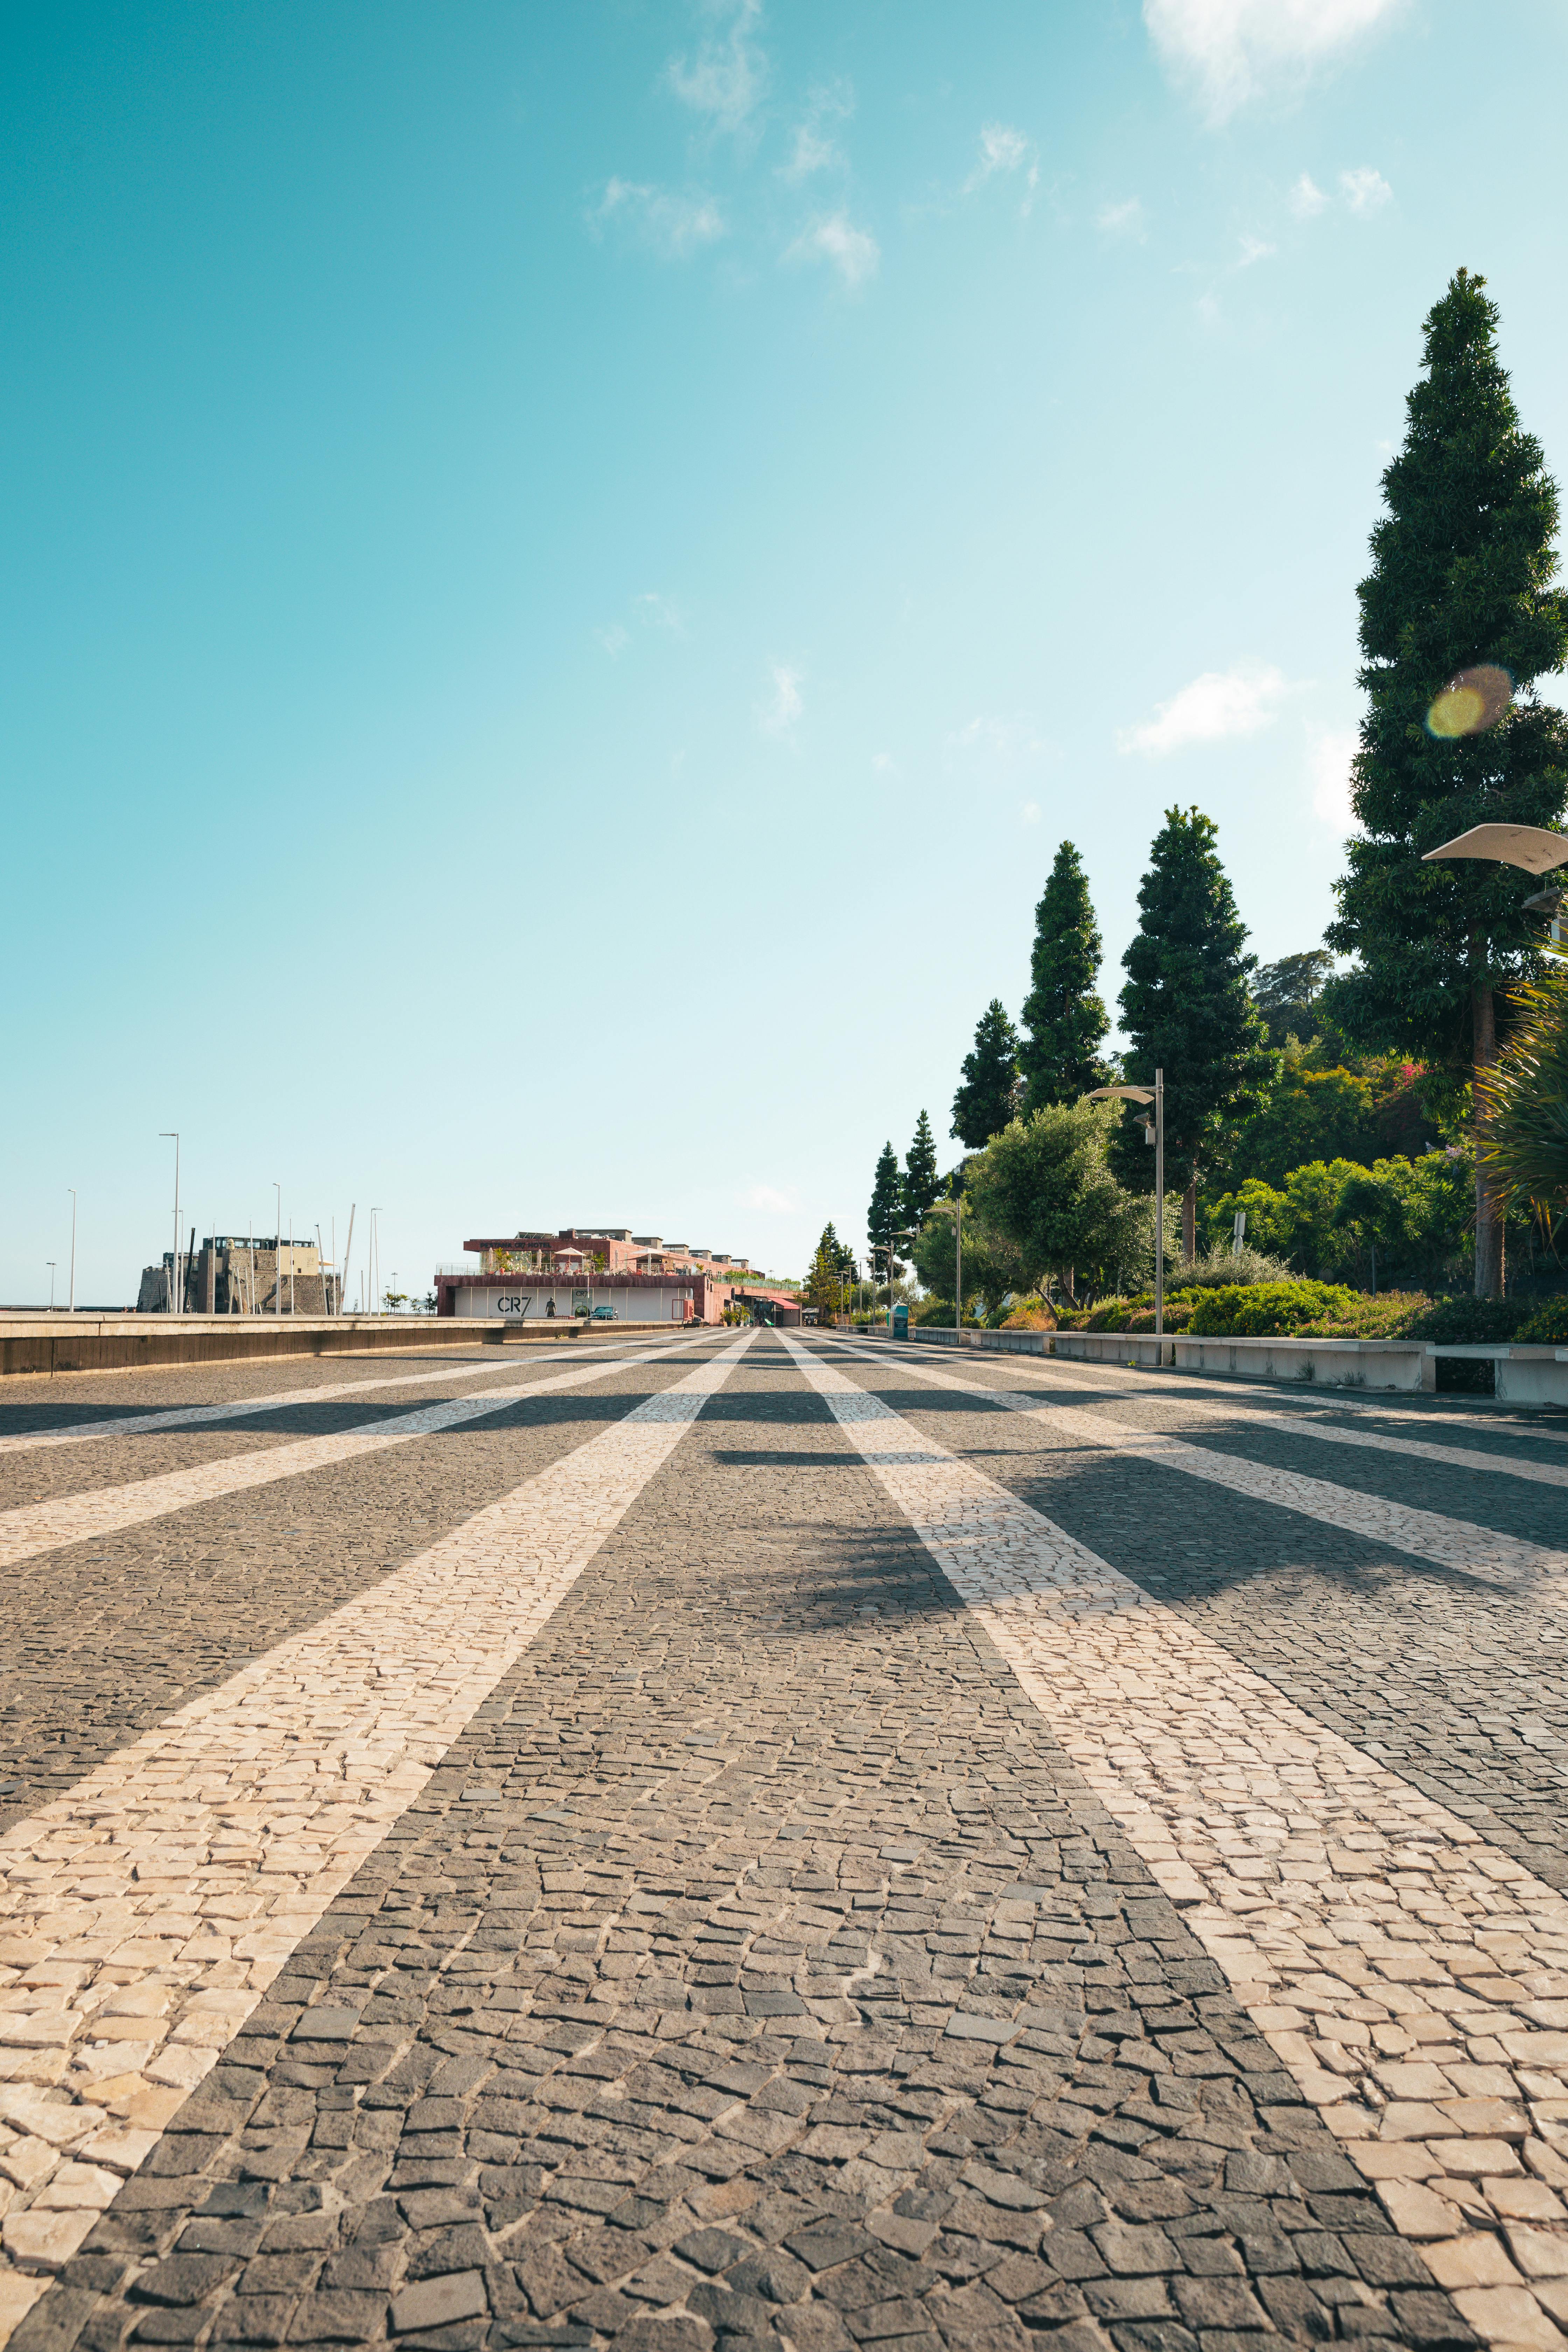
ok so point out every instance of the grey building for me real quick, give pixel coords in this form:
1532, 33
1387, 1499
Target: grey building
234, 1275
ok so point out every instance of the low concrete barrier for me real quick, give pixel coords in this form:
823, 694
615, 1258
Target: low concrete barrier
1536, 1376
108, 1343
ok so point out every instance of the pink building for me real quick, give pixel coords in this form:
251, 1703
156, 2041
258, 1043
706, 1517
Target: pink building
581, 1269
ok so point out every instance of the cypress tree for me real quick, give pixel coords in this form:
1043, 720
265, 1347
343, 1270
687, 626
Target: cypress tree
883, 1218
923, 1185
1063, 1019
1462, 573
1187, 1009
987, 1096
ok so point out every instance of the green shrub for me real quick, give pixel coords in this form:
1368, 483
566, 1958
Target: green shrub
1472, 1321
1392, 1315
1548, 1327
1262, 1310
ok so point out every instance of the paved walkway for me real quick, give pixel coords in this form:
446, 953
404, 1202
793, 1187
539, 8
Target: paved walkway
822, 1844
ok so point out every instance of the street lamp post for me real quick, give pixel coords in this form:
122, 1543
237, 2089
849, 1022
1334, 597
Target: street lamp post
167, 1135
50, 1264
1155, 1129
903, 1234
71, 1308
277, 1254
958, 1264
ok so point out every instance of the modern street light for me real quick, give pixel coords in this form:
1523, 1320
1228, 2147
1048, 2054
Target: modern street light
1528, 846
903, 1234
166, 1135
277, 1256
71, 1190
1154, 1132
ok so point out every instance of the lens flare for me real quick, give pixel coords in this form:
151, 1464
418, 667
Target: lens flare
1471, 703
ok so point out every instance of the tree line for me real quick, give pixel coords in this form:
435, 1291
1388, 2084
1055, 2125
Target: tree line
1415, 1102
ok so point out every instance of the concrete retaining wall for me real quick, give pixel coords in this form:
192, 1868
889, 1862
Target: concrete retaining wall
109, 1343
1536, 1375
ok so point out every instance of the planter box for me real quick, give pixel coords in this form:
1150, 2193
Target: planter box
1528, 1376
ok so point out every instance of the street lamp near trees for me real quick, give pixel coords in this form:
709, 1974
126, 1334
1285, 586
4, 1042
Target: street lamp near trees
1154, 1133
903, 1234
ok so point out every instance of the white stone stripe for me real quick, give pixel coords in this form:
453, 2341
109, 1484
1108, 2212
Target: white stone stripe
1413, 1976
132, 1424
144, 1913
1461, 1457
1428, 1535
32, 1528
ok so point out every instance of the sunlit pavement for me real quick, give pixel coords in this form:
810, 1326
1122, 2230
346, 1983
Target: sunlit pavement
768, 1837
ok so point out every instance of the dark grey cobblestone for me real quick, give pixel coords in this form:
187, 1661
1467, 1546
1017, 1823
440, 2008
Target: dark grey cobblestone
1459, 1684
753, 1971
101, 1639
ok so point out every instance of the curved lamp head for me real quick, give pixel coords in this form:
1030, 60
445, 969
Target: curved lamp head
1146, 1094
1529, 846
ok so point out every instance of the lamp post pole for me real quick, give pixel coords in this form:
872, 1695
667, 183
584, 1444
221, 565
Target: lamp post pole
278, 1252
71, 1308
1154, 1133
166, 1135
50, 1264
958, 1266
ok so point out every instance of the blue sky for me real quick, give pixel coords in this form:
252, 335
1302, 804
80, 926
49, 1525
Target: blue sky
569, 568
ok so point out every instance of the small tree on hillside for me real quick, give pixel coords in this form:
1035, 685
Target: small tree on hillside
992, 1265
1063, 1019
922, 1183
1463, 564
1045, 1185
885, 1215
987, 1096
825, 1275
1187, 1009
1289, 995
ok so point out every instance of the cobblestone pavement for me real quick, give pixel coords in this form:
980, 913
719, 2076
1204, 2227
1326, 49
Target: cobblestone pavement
779, 1845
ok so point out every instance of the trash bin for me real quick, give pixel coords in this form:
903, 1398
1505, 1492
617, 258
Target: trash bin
900, 1321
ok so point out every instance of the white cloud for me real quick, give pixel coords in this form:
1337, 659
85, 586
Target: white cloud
1120, 220
671, 225
778, 714
1233, 51
1219, 704
725, 79
853, 252
883, 764
1365, 191
1253, 249
1306, 199
1029, 811
1329, 763
814, 151
656, 612
1003, 149
615, 640
768, 1198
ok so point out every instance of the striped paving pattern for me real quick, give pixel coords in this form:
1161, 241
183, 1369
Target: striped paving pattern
145, 1915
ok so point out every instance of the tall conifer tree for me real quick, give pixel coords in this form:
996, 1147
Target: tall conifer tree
923, 1185
883, 1218
1187, 1009
987, 1096
1063, 1019
1462, 573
